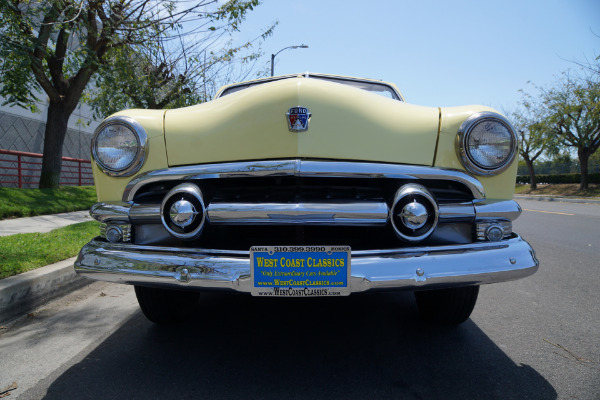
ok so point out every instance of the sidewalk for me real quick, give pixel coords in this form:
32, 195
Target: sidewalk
22, 293
42, 223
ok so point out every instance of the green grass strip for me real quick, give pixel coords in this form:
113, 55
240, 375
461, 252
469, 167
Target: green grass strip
28, 251
15, 203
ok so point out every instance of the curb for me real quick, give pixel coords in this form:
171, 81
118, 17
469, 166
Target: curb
541, 197
22, 293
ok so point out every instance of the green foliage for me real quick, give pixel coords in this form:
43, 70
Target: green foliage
139, 78
176, 70
532, 129
18, 84
574, 117
574, 112
48, 46
560, 164
24, 252
595, 161
132, 80
30, 202
234, 12
562, 117
56, 47
44, 46
558, 179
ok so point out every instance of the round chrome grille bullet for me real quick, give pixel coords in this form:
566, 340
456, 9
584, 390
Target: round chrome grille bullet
414, 215
182, 213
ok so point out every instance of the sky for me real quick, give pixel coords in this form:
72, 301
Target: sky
439, 53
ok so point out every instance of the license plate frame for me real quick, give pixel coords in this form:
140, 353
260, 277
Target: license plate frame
300, 271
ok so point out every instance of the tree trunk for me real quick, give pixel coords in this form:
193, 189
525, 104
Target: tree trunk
584, 156
532, 180
54, 137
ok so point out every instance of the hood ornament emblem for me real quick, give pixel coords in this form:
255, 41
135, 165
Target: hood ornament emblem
298, 119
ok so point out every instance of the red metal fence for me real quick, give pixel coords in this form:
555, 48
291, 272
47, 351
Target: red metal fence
21, 169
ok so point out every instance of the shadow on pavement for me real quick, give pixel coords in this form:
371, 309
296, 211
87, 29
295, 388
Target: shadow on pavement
367, 346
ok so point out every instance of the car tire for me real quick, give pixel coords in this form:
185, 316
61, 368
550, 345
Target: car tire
447, 306
164, 306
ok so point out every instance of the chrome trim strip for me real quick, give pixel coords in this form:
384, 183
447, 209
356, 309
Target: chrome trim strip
121, 212
145, 213
497, 210
303, 168
116, 212
457, 212
347, 214
443, 266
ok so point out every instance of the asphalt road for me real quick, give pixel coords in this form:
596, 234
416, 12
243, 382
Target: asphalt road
537, 338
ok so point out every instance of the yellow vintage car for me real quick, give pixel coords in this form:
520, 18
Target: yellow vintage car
306, 185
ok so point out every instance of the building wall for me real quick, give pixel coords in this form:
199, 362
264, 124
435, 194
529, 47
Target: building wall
25, 134
22, 130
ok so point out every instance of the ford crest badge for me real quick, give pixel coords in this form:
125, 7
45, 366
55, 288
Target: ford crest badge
298, 119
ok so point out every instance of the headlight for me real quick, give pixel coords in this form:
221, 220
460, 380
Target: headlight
487, 143
119, 146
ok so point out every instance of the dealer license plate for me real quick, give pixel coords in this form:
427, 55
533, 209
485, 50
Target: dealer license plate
300, 271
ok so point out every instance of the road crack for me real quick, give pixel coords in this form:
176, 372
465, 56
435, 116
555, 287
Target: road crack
6, 391
571, 356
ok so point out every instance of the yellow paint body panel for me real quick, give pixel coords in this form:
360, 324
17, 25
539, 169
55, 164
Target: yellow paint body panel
499, 187
347, 124
111, 188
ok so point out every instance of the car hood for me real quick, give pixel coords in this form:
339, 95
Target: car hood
347, 123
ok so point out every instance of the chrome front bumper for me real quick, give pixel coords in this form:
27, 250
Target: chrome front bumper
403, 268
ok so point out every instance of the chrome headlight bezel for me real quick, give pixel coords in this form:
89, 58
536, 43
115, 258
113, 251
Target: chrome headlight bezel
463, 150
142, 146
